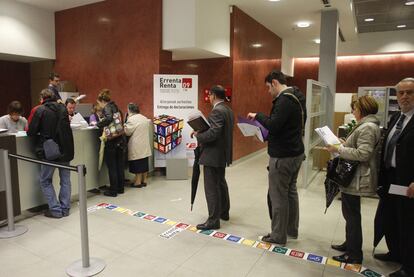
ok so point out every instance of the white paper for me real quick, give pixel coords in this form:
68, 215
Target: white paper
398, 190
78, 121
249, 130
327, 136
3, 130
80, 97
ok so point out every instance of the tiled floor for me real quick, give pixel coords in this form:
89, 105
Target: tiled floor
132, 246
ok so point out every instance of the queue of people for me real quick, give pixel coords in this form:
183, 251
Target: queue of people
285, 123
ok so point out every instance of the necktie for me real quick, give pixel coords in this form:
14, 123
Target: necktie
393, 141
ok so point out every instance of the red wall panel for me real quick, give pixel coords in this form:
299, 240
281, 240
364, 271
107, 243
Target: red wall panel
112, 44
14, 85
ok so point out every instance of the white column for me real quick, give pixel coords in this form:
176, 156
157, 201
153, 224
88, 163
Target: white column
327, 59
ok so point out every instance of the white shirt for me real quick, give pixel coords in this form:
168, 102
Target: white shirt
407, 118
217, 104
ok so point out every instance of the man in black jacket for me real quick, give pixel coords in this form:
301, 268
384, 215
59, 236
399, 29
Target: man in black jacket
397, 168
286, 151
216, 154
50, 121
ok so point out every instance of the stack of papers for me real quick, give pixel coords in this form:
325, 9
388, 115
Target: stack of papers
251, 128
78, 122
327, 136
198, 122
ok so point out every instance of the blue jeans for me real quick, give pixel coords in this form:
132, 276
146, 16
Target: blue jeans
56, 207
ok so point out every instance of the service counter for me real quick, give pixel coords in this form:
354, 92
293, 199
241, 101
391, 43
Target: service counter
26, 178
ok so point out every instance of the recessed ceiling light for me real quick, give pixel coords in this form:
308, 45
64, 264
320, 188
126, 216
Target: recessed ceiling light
274, 0
303, 24
409, 3
317, 40
256, 45
401, 26
368, 19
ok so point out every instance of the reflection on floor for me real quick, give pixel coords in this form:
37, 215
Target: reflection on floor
132, 247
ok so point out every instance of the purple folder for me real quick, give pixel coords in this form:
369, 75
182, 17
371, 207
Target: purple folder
264, 131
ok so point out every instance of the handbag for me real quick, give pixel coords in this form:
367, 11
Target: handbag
341, 171
115, 128
51, 150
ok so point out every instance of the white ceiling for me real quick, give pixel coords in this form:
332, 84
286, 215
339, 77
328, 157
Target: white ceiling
58, 5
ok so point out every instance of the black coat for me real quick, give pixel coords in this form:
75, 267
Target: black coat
285, 125
403, 156
44, 125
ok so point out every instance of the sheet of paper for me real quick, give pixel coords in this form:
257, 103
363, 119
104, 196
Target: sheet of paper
78, 121
398, 190
327, 135
247, 129
3, 130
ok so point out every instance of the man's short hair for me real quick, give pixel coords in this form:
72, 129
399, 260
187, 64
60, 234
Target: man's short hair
276, 75
46, 93
15, 107
132, 107
218, 91
52, 76
69, 101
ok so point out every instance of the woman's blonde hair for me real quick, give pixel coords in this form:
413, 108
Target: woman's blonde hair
104, 95
366, 105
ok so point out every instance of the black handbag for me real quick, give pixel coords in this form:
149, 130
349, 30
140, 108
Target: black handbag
341, 171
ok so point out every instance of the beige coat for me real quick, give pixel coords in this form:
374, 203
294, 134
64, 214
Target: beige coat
137, 128
361, 146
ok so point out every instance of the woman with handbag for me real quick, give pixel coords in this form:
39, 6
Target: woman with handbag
139, 148
115, 144
360, 145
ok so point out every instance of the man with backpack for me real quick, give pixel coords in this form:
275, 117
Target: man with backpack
54, 142
286, 150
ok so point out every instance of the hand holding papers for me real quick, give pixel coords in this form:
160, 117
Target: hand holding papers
252, 128
198, 122
80, 97
327, 136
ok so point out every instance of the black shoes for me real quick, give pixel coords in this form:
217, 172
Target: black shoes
401, 273
225, 217
386, 257
110, 193
48, 213
268, 239
339, 247
345, 258
208, 226
139, 185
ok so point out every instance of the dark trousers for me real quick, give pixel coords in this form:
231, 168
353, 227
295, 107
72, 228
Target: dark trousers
399, 226
114, 159
217, 192
351, 210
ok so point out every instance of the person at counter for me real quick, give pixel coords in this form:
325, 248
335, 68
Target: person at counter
50, 121
70, 107
95, 115
54, 80
13, 121
115, 143
76, 119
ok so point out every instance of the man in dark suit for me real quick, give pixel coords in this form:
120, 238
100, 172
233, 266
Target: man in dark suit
397, 168
216, 153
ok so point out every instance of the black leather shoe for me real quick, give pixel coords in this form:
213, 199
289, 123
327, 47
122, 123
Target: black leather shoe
225, 217
344, 258
385, 257
208, 226
339, 247
268, 239
401, 273
48, 213
110, 193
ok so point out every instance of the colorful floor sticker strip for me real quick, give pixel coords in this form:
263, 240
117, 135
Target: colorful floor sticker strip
178, 227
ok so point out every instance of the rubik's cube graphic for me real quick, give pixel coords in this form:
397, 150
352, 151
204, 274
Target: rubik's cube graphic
167, 132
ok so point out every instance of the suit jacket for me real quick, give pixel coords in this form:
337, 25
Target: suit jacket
403, 156
217, 141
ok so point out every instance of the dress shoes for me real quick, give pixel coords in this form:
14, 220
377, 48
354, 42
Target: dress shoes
110, 193
225, 217
268, 239
50, 214
208, 226
339, 247
345, 258
385, 257
292, 237
401, 273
